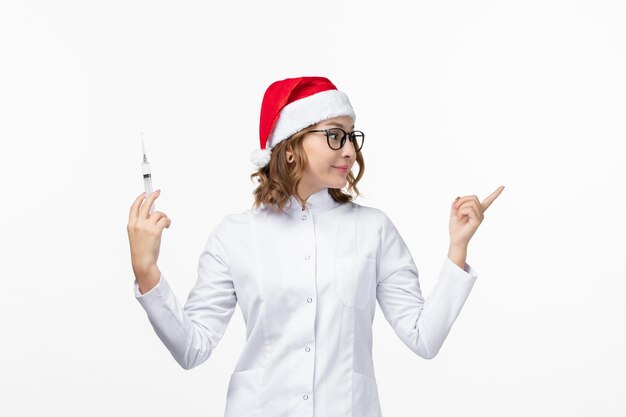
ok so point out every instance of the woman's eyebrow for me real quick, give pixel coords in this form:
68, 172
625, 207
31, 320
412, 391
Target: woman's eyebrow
338, 124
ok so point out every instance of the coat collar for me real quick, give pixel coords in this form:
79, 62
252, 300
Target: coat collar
319, 200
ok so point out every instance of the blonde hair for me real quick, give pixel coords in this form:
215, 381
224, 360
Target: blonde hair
279, 180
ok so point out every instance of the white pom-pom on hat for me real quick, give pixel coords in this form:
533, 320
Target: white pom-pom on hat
261, 157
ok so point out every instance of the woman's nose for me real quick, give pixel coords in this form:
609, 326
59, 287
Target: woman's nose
348, 149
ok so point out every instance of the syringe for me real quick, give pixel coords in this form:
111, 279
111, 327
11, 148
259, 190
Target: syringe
147, 175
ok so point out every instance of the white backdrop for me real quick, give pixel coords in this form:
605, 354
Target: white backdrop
455, 98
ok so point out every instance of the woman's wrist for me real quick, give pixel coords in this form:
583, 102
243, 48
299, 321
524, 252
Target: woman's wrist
458, 254
147, 278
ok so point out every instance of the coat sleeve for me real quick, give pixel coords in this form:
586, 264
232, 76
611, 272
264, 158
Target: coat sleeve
422, 325
192, 332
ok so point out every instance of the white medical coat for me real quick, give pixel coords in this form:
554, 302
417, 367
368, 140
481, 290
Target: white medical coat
306, 282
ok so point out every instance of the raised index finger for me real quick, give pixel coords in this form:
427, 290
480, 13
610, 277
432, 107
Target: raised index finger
491, 197
143, 210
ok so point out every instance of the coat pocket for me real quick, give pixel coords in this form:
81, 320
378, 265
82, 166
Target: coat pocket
242, 398
354, 276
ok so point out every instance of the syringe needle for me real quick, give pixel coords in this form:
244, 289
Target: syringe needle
143, 149
147, 174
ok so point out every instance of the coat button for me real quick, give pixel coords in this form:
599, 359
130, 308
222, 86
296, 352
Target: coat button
304, 217
307, 348
307, 257
306, 397
309, 300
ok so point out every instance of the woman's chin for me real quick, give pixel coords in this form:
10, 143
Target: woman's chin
337, 181
340, 183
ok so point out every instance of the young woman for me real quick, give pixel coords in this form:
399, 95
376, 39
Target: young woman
306, 265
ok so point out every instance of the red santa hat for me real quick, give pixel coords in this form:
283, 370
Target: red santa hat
292, 104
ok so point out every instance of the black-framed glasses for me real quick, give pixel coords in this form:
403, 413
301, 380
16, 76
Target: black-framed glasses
336, 138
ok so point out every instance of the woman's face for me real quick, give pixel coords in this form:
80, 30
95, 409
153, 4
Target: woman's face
322, 170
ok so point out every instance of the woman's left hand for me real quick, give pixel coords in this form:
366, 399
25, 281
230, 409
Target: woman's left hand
466, 216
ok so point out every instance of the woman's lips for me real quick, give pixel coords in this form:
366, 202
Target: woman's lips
341, 169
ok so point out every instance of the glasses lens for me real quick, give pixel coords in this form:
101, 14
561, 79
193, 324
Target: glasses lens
357, 139
334, 138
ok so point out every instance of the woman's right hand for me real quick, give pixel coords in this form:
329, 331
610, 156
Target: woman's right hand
144, 234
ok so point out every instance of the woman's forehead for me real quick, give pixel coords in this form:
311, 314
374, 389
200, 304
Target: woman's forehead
337, 122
